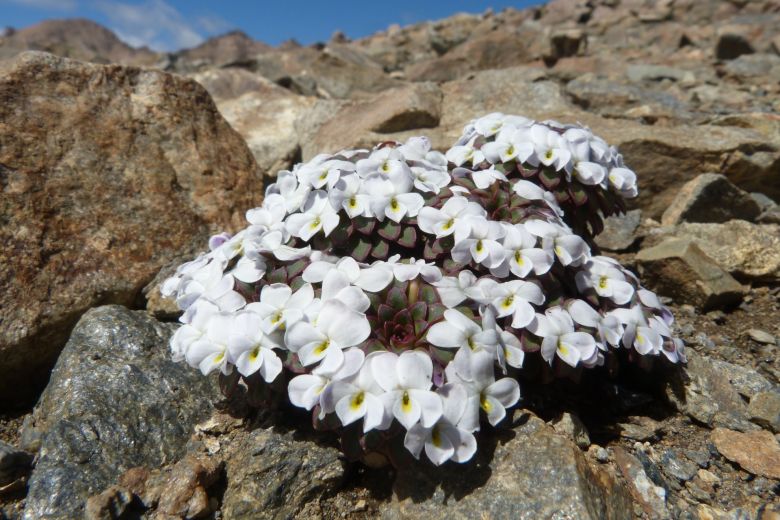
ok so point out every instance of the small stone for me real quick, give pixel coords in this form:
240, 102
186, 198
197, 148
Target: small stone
700, 457
14, 463
619, 232
602, 455
708, 476
111, 503
678, 268
639, 428
567, 42
710, 197
570, 425
674, 465
761, 336
745, 380
651, 497
764, 409
757, 452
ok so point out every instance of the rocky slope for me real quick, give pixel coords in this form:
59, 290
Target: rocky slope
110, 173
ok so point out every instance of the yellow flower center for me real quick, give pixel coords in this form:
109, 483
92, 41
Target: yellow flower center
508, 301
406, 403
603, 281
322, 347
436, 436
357, 400
394, 204
484, 403
315, 223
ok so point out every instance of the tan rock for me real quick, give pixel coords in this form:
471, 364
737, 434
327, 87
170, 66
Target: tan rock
756, 452
680, 269
745, 250
366, 123
107, 172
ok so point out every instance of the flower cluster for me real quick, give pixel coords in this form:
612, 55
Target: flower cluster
397, 292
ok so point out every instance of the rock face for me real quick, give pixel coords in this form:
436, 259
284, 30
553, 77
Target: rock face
532, 473
106, 173
757, 452
710, 198
115, 400
678, 268
278, 475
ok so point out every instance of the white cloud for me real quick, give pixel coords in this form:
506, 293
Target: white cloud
153, 23
51, 5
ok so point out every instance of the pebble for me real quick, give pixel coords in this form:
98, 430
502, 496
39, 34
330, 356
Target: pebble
762, 336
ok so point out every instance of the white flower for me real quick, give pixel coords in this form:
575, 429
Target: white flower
444, 440
317, 215
358, 397
338, 327
638, 333
586, 146
293, 194
279, 307
461, 154
406, 381
336, 286
196, 319
211, 283
348, 194
373, 278
386, 161
404, 272
609, 327
251, 349
570, 249
323, 171
307, 390
484, 392
482, 245
511, 144
515, 298
429, 180
453, 217
452, 291
485, 178
391, 197
550, 148
556, 328
606, 279
210, 351
521, 255
624, 181
458, 331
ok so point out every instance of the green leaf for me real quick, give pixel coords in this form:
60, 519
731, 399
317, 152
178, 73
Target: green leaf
549, 178
380, 250
578, 194
277, 276
396, 297
385, 312
296, 268
420, 326
428, 294
419, 310
361, 249
436, 312
389, 230
408, 237
403, 317
364, 225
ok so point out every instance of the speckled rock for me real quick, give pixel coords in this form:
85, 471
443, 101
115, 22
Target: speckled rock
757, 452
115, 401
275, 475
106, 173
710, 198
530, 472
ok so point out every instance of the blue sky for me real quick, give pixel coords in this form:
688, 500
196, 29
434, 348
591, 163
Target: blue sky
172, 24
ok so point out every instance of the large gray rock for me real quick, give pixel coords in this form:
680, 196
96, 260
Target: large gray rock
532, 473
115, 400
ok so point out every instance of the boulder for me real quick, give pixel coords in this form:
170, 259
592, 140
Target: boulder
265, 115
115, 401
528, 472
710, 198
274, 475
678, 268
704, 394
366, 123
107, 172
764, 409
756, 452
749, 252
